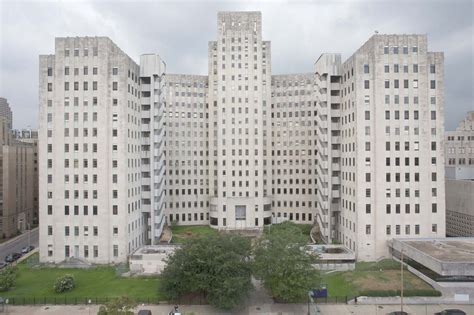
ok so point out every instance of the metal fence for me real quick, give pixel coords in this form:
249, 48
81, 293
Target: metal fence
194, 300
53, 300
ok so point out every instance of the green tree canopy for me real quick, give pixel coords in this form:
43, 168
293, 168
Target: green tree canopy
216, 266
283, 264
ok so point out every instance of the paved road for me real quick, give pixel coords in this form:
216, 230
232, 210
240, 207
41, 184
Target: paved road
15, 245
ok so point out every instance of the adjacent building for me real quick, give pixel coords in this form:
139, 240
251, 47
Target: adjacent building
18, 177
459, 148
355, 147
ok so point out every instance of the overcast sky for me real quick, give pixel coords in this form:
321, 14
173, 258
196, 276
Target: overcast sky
179, 31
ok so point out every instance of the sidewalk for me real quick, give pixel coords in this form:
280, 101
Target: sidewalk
265, 309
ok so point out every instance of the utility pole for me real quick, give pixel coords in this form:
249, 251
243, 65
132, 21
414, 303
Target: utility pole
401, 270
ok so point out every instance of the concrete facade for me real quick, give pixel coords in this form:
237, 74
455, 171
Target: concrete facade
18, 177
90, 161
354, 146
459, 150
460, 208
392, 127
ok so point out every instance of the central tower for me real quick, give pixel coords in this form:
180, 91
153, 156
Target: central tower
239, 123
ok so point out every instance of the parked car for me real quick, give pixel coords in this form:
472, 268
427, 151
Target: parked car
3, 265
398, 313
27, 249
12, 257
451, 312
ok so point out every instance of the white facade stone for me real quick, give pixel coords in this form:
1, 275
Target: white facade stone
354, 146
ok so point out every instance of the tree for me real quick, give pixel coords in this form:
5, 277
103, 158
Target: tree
283, 264
118, 306
7, 278
215, 266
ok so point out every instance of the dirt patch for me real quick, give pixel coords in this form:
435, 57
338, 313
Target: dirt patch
385, 280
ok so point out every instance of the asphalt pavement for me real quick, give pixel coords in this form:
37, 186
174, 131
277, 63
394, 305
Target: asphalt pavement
15, 245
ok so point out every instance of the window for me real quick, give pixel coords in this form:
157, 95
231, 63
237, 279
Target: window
366, 68
367, 229
415, 68
415, 84
434, 208
433, 84
50, 72
115, 250
366, 84
434, 228
387, 84
432, 68
115, 86
115, 71
385, 50
50, 230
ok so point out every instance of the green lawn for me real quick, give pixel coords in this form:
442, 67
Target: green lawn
381, 278
183, 233
100, 282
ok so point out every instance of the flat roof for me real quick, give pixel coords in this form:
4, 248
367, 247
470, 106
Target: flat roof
450, 256
445, 250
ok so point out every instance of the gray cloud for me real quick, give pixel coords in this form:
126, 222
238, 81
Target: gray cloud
179, 31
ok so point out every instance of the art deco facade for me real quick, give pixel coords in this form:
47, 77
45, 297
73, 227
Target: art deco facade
354, 146
90, 152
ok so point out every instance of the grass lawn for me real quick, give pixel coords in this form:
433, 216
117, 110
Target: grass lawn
100, 282
183, 233
383, 276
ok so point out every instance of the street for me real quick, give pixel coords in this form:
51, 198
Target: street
15, 245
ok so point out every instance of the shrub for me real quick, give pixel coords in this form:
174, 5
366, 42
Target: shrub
378, 293
118, 306
7, 278
64, 283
